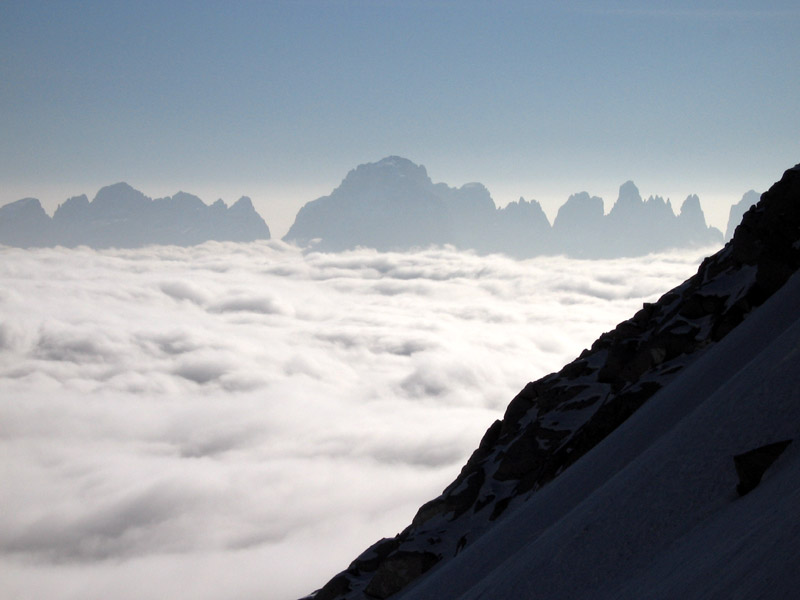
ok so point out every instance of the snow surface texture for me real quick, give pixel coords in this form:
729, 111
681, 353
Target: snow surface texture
567, 416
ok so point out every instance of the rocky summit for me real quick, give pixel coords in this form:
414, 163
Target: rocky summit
555, 421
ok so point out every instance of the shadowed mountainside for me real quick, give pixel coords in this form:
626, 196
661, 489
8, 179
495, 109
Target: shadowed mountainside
556, 421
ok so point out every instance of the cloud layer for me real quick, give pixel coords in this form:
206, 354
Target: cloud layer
240, 421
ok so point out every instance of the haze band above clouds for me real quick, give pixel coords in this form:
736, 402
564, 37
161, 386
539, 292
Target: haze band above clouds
204, 422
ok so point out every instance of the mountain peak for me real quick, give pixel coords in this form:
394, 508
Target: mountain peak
629, 201
23, 206
243, 205
119, 198
388, 172
118, 188
396, 162
24, 223
73, 208
692, 212
579, 211
187, 199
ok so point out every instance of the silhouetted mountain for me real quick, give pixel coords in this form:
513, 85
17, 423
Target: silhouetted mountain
393, 204
738, 210
615, 476
24, 223
579, 226
519, 229
386, 205
122, 217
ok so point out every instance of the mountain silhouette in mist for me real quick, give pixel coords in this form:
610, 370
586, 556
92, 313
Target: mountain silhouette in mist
616, 477
122, 217
393, 205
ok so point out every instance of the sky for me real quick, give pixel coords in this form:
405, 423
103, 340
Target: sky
279, 100
240, 421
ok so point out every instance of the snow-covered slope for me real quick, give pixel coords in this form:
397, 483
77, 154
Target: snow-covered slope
590, 504
652, 511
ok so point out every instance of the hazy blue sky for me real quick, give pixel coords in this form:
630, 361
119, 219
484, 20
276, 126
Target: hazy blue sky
278, 100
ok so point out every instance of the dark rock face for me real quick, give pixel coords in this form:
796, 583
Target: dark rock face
737, 212
394, 205
397, 571
554, 421
122, 217
751, 465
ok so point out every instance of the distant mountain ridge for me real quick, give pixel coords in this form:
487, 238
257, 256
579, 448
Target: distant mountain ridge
550, 428
394, 205
123, 217
388, 205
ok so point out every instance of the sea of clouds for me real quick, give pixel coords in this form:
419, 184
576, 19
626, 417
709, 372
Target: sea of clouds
240, 421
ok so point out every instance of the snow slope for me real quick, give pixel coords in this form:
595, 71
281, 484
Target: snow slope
651, 511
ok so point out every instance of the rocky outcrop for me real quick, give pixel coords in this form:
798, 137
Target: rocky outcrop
122, 217
394, 205
554, 421
751, 465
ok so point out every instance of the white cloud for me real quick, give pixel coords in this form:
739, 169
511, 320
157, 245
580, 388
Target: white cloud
240, 421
